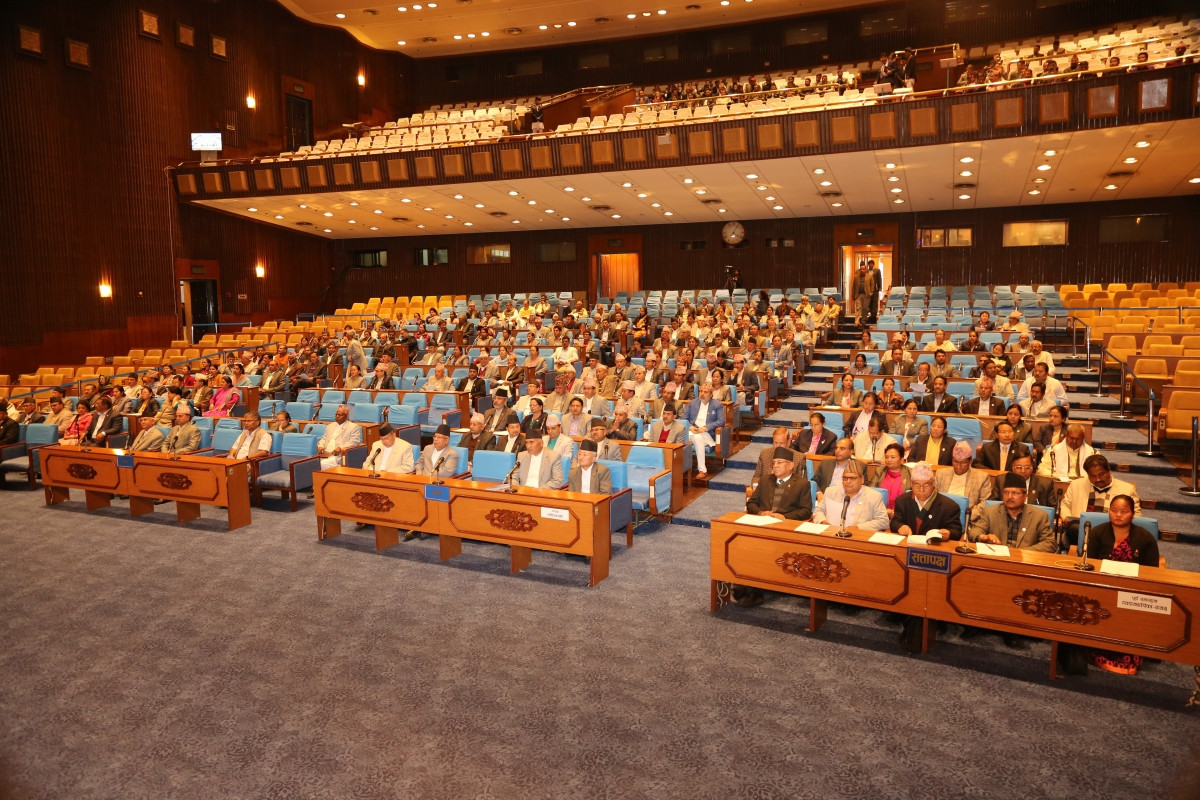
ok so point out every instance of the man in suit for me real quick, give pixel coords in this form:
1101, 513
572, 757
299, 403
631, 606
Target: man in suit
184, 436
558, 401
622, 426
606, 449
105, 424
938, 402
575, 422
438, 380
964, 480
704, 416
762, 470
999, 453
354, 351
538, 467
1039, 490
667, 430
853, 504
1003, 386
380, 380
876, 287
815, 440
1013, 522
496, 418
862, 290
473, 384
829, 471
476, 438
511, 439
149, 438
389, 454
678, 388
440, 452
272, 381
586, 475
254, 441
743, 381
942, 366
986, 403
897, 365
786, 495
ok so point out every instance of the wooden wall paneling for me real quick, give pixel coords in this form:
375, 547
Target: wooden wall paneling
1102, 101
843, 130
1008, 112
1154, 94
481, 162
768, 136
923, 121
633, 148
603, 152
369, 170
964, 117
883, 125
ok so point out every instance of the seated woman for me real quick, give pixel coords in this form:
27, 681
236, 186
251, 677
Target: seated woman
534, 423
1022, 431
857, 423
895, 476
224, 399
283, 423
909, 426
146, 404
889, 398
860, 367
354, 378
1055, 429
722, 392
239, 376
845, 395
934, 447
1120, 540
865, 342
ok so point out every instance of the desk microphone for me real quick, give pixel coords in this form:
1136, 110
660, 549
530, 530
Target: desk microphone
964, 547
508, 478
1053, 468
1083, 565
436, 479
842, 532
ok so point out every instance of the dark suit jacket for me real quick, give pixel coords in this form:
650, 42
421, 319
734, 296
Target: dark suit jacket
823, 473
749, 379
796, 502
876, 416
803, 441
10, 431
942, 513
500, 444
113, 425
949, 404
474, 387
995, 407
483, 443
906, 368
989, 456
1042, 494
945, 458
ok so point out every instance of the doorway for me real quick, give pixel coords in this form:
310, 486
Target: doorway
299, 121
198, 303
617, 272
850, 257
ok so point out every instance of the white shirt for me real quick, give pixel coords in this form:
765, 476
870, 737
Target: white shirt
861, 422
701, 420
585, 479
958, 484
385, 453
436, 457
246, 437
535, 470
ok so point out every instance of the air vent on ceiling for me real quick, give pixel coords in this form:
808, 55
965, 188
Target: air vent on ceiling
513, 31
692, 7
464, 2
964, 186
712, 201
831, 194
429, 39
601, 20
1124, 173
370, 11
401, 219
601, 208
304, 224
498, 213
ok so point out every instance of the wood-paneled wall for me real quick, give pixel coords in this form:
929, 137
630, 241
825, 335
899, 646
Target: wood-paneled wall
82, 190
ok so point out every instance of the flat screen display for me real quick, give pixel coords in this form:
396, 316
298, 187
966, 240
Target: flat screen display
206, 141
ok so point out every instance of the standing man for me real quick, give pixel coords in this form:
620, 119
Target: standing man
876, 286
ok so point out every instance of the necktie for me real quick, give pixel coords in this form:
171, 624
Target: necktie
1003, 457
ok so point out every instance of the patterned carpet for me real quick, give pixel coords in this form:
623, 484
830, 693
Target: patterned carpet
142, 659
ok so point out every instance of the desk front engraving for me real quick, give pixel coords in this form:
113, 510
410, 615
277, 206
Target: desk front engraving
81, 472
175, 481
813, 568
372, 501
1061, 607
509, 520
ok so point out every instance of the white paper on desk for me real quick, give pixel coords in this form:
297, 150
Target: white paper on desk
1125, 568
812, 527
888, 538
917, 540
755, 519
985, 549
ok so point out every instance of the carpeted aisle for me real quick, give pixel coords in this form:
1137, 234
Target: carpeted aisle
142, 659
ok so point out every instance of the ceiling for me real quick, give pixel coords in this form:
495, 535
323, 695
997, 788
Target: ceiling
1005, 172
489, 25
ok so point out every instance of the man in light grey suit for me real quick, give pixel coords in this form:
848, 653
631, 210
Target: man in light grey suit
667, 430
355, 353
586, 475
184, 437
1013, 522
149, 438
606, 449
389, 455
439, 451
539, 468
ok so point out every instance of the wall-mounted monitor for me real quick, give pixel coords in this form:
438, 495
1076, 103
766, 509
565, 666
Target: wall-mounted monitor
203, 142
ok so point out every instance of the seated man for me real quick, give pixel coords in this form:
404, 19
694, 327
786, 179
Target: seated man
105, 424
1054, 391
254, 441
898, 364
439, 381
786, 495
340, 436
556, 441
940, 342
851, 504
871, 443
1037, 404
1064, 461
184, 437
829, 472
473, 384
606, 449
815, 439
762, 471
1092, 492
668, 430
938, 401
149, 438
924, 509
622, 426
942, 366
539, 468
476, 438
575, 422
704, 416
380, 380
985, 403
1038, 490
586, 475
964, 480
389, 454
439, 458
1014, 523
999, 453
496, 418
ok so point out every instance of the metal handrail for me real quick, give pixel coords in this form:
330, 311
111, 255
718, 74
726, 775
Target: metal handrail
1121, 414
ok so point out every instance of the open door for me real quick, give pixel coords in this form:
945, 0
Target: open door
618, 272
198, 303
851, 255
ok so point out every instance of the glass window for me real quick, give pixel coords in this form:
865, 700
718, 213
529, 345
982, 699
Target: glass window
811, 31
661, 52
524, 66
1145, 228
944, 237
967, 10
431, 256
736, 42
592, 60
879, 21
555, 251
489, 254
1035, 234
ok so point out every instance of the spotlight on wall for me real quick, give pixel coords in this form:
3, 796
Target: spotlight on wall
250, 103
105, 290
259, 271
362, 79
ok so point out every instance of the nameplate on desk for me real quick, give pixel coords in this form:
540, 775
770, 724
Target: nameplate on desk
929, 560
560, 514
1135, 601
125, 461
437, 494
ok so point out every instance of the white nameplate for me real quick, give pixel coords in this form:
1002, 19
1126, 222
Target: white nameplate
1144, 602
1127, 568
560, 514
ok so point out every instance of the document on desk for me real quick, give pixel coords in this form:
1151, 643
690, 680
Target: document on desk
985, 549
812, 527
755, 519
888, 538
1123, 568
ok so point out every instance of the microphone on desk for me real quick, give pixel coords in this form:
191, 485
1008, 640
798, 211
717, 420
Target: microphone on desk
1053, 467
435, 478
842, 532
1083, 565
509, 478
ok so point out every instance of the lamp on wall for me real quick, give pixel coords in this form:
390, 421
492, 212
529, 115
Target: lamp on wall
259, 271
105, 290
250, 102
362, 79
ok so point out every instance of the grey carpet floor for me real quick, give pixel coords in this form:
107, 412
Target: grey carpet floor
142, 659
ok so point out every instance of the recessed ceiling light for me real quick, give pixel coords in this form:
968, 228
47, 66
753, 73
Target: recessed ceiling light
279, 216
701, 191
427, 208
1043, 167
893, 178
827, 183
616, 216
641, 194
401, 42
327, 230
668, 213
479, 205
662, 11
1131, 160
302, 205
720, 211
966, 160
512, 193
770, 199
533, 202
329, 213
1142, 144
549, 210
568, 188
724, 2
1039, 180
252, 209
896, 190
458, 197
1049, 153
541, 27
470, 36
570, 24
449, 216
687, 180
966, 173
631, 16
761, 188
566, 219
964, 197
484, 33
898, 200
818, 171
458, 36
340, 16
777, 208
405, 200
416, 7
431, 5
1111, 186
558, 24
889, 165
656, 205
354, 203
1035, 191
752, 176
586, 199
374, 228
352, 221
1193, 180
468, 224
837, 205
516, 222
420, 226
402, 8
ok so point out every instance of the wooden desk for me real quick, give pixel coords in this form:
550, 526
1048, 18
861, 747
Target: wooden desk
1029, 593
190, 481
471, 511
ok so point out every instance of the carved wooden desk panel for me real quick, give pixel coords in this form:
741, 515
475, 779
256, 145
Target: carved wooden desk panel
93, 470
389, 502
820, 567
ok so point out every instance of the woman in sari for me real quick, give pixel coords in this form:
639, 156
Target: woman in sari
1021, 429
224, 399
1120, 540
1055, 428
889, 398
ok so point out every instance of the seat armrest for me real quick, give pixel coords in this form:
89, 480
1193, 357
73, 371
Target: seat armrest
620, 510
356, 456
453, 418
660, 492
207, 452
13, 451
302, 472
272, 463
